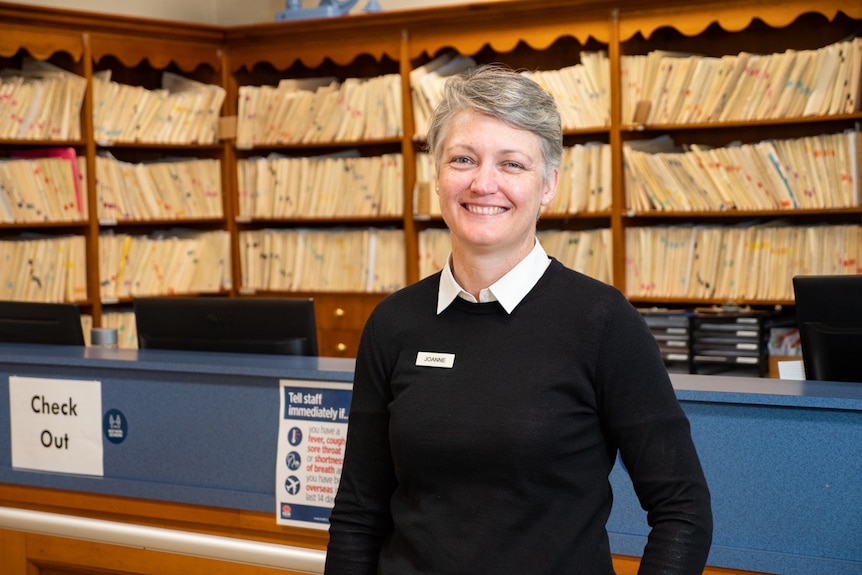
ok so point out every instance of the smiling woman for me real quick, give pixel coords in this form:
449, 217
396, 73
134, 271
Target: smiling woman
491, 399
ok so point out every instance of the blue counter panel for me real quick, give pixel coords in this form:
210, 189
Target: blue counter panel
783, 459
202, 428
784, 465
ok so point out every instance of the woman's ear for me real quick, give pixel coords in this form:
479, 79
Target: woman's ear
550, 189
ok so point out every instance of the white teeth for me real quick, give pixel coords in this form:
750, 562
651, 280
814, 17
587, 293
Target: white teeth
485, 210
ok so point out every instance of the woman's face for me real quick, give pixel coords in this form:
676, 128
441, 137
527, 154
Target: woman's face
491, 185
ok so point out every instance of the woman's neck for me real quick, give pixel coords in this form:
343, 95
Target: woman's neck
477, 271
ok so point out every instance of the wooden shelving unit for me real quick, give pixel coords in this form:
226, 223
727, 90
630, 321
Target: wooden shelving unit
529, 35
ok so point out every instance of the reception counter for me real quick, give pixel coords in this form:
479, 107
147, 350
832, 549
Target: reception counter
784, 464
782, 457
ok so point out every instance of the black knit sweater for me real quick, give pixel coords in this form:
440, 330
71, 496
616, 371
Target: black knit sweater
499, 464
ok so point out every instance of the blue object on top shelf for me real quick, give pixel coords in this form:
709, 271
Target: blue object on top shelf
327, 8
372, 6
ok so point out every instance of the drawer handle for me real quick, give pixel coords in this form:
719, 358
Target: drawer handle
341, 348
339, 312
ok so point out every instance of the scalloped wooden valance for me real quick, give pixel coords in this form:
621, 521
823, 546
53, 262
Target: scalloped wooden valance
468, 28
467, 38
340, 40
691, 19
314, 52
41, 43
159, 52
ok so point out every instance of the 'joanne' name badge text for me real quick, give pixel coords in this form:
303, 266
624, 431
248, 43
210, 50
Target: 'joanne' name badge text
431, 359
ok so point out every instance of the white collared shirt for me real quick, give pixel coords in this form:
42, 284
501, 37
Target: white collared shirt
509, 290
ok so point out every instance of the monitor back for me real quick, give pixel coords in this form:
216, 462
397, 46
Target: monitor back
37, 322
238, 325
829, 317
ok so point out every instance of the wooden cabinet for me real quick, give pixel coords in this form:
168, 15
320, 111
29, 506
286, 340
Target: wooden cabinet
552, 50
30, 56
128, 52
340, 319
177, 174
548, 36
778, 236
338, 244
328, 239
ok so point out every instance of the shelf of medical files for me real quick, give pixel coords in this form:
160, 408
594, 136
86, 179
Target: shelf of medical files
52, 226
725, 133
169, 222
721, 134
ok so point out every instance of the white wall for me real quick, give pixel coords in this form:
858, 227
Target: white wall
201, 11
219, 12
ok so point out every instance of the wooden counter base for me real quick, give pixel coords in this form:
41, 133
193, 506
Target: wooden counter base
24, 553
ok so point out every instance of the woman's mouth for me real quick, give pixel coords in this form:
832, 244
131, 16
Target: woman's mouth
484, 210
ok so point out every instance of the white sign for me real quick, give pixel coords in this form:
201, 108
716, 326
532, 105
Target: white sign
312, 432
56, 425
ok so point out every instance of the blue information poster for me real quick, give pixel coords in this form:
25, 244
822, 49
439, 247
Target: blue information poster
312, 433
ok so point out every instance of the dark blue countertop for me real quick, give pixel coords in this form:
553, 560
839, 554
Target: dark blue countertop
218, 363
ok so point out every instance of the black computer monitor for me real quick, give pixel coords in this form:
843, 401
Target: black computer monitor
37, 322
240, 325
829, 317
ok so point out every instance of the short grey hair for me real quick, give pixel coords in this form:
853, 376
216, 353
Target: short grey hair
504, 94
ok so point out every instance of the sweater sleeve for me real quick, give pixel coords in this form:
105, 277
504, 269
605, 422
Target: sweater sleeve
360, 519
642, 416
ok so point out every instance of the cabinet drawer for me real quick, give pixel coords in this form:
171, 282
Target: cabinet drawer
339, 312
338, 342
344, 311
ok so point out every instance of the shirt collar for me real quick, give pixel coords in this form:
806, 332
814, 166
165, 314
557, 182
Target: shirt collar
509, 290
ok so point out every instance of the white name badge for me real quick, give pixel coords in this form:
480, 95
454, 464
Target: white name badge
431, 359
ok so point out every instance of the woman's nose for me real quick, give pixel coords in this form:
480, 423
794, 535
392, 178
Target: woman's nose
484, 179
